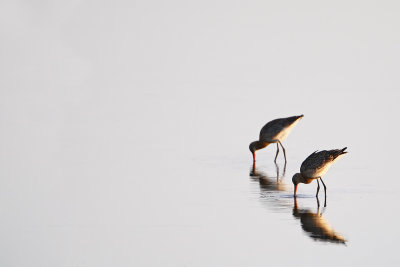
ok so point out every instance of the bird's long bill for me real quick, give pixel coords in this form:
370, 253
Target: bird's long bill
295, 189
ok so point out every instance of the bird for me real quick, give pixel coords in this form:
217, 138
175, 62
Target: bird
315, 166
274, 131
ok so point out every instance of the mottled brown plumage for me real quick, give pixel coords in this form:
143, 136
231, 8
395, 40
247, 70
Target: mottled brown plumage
315, 166
318, 162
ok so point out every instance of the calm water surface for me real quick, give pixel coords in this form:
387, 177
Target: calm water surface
125, 126
111, 186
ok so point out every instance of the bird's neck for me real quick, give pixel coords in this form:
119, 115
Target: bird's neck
300, 179
304, 180
260, 144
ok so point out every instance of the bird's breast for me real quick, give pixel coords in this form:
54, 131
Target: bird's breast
308, 180
285, 131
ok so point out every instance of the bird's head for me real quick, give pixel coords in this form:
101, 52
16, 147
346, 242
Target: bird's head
253, 149
253, 146
296, 179
256, 145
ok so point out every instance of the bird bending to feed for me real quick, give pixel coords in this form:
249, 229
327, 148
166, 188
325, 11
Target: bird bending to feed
274, 132
315, 166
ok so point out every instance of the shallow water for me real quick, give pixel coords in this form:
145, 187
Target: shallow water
125, 131
91, 194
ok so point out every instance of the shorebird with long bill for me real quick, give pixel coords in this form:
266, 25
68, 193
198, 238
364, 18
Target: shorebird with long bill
315, 166
274, 132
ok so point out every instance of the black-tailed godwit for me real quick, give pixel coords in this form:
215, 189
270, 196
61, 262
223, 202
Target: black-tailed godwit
274, 132
315, 166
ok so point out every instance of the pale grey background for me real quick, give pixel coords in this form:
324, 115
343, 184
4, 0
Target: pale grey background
125, 128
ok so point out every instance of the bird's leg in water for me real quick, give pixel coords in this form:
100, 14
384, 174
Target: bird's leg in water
277, 172
323, 184
284, 151
317, 189
277, 151
323, 209
284, 169
324, 190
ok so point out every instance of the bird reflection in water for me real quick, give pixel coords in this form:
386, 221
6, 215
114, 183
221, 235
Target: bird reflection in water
272, 187
273, 193
316, 226
267, 182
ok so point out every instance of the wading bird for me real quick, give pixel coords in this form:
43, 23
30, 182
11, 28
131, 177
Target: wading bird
315, 166
274, 132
